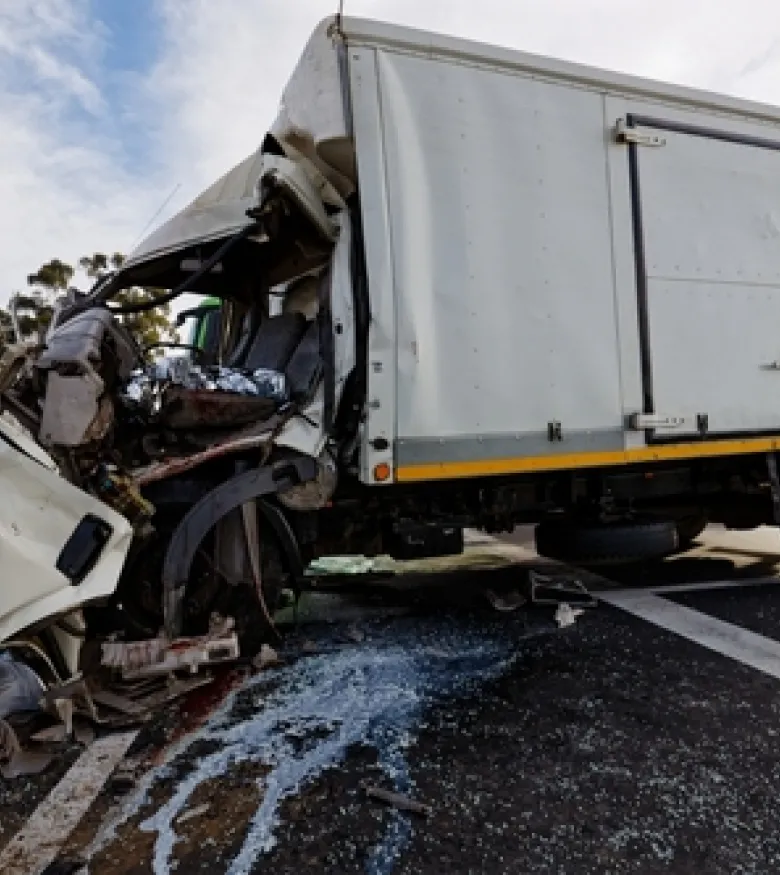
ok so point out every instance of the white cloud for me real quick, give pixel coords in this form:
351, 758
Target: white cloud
227, 62
63, 189
66, 186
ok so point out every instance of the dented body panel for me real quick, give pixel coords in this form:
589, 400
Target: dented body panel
538, 278
39, 512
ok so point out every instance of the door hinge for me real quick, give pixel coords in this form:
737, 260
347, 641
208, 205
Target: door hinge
625, 134
645, 421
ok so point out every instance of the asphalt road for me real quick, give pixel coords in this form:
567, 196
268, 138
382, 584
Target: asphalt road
616, 745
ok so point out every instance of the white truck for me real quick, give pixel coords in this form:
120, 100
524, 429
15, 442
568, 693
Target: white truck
513, 290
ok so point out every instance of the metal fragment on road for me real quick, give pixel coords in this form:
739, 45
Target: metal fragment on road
399, 801
566, 616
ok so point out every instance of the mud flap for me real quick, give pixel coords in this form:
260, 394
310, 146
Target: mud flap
213, 507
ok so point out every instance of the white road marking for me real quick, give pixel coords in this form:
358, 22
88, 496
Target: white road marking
39, 841
725, 638
702, 586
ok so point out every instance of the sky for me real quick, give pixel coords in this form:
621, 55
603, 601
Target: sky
115, 113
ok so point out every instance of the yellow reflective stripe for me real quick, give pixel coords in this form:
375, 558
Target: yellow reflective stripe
532, 464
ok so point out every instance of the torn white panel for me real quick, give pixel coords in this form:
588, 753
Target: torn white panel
13, 432
291, 178
311, 116
38, 514
310, 126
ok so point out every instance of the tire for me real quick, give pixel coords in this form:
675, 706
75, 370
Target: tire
594, 544
689, 528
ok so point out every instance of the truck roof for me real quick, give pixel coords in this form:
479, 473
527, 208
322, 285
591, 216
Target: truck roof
360, 31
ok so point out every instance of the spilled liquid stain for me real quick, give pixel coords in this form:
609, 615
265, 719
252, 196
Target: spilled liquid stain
302, 719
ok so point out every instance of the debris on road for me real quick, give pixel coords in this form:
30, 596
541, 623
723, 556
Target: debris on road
549, 590
357, 636
398, 800
566, 616
25, 763
138, 659
266, 658
15, 761
56, 733
9, 742
123, 780
197, 811
507, 602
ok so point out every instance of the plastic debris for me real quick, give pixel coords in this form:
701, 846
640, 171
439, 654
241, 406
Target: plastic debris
20, 687
566, 615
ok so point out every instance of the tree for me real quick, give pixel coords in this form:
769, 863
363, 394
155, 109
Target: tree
35, 309
6, 329
149, 327
54, 276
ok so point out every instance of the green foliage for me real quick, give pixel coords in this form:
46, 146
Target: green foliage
55, 276
6, 329
35, 309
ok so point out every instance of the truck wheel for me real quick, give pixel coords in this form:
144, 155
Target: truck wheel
689, 528
594, 544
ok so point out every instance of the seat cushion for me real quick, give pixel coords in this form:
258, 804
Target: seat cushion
274, 343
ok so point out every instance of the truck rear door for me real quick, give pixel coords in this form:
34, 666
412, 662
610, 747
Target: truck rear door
706, 225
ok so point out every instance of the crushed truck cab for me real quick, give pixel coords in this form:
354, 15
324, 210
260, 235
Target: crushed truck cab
456, 286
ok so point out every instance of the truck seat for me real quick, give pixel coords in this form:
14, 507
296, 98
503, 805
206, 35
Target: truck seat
273, 344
